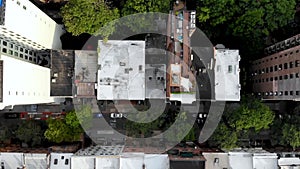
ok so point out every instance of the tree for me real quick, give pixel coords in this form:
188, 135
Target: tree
64, 130
242, 122
224, 137
30, 132
142, 6
243, 23
252, 114
82, 16
291, 135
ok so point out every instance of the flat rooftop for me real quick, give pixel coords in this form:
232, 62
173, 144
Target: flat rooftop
62, 68
86, 68
156, 81
121, 73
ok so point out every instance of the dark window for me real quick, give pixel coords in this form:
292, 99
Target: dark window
286, 93
229, 68
291, 64
285, 65
297, 63
267, 79
267, 70
271, 69
271, 79
55, 161
62, 157
259, 81
297, 93
286, 76
66, 161
297, 75
291, 76
4, 50
4, 43
276, 78
291, 93
280, 77
275, 68
280, 67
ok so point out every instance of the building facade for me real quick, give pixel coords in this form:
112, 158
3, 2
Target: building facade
276, 77
25, 35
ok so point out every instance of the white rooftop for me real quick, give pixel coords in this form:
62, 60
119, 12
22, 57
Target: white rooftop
227, 78
27, 24
24, 83
121, 73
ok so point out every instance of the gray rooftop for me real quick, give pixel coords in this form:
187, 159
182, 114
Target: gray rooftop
156, 81
121, 74
62, 66
99, 150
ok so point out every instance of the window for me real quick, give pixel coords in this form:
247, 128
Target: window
291, 76
291, 93
297, 93
271, 69
285, 65
271, 79
285, 76
280, 67
286, 93
62, 157
297, 75
66, 161
297, 63
4, 43
267, 70
280, 77
291, 64
4, 50
55, 161
230, 69
267, 79
24, 7
276, 78
275, 68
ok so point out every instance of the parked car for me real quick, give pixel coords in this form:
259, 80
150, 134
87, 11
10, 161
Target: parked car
116, 115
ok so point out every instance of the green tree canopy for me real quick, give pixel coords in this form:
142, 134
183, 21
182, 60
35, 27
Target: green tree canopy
241, 122
64, 130
142, 6
291, 135
30, 132
224, 137
243, 24
82, 16
252, 114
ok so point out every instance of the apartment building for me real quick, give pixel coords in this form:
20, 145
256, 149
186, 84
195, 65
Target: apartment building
276, 77
25, 35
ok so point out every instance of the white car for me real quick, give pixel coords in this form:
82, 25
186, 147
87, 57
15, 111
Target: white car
116, 115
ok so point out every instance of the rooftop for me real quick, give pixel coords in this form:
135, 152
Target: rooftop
62, 66
121, 74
